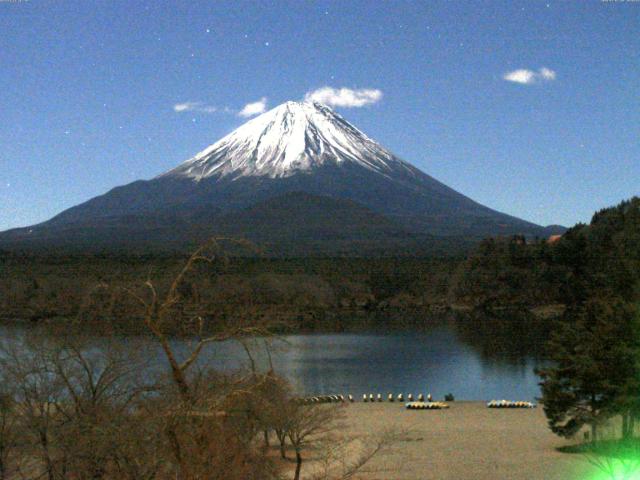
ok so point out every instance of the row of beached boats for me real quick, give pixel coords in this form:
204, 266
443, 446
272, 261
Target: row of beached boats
322, 399
391, 398
418, 404
510, 404
426, 405
367, 398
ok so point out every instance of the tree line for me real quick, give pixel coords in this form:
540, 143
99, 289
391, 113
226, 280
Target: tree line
595, 348
592, 273
310, 293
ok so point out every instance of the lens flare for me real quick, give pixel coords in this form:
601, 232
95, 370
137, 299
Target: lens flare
617, 470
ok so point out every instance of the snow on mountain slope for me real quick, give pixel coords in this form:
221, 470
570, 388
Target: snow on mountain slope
291, 138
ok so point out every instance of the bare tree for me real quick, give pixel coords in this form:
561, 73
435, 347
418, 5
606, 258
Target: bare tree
9, 429
339, 463
316, 432
180, 305
209, 423
274, 414
308, 426
140, 449
37, 393
100, 386
74, 401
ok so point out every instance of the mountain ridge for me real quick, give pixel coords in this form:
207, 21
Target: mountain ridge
295, 147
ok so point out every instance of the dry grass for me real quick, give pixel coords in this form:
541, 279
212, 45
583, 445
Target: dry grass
467, 441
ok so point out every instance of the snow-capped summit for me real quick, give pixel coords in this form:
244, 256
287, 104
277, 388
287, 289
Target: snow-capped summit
299, 179
291, 138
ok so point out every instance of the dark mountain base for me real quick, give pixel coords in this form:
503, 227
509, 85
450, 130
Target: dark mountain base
294, 224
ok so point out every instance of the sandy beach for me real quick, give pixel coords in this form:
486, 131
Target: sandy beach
467, 441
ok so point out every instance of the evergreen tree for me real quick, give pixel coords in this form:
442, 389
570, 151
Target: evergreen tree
595, 369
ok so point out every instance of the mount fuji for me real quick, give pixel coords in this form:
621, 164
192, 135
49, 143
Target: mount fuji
298, 179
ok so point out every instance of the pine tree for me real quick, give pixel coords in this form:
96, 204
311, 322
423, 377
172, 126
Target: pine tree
593, 376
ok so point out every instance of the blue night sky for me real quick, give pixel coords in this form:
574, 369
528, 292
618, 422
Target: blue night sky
531, 108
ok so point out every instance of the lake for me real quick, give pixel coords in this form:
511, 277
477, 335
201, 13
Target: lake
435, 361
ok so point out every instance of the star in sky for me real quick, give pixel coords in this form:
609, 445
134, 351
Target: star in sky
106, 79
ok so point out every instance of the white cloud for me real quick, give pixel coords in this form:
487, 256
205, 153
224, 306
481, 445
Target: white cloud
254, 108
344, 97
182, 107
193, 107
520, 76
528, 77
547, 73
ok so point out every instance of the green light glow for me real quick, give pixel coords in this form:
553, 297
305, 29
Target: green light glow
617, 471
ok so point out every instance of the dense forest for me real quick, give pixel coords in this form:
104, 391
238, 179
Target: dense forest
595, 345
535, 278
309, 293
601, 259
590, 279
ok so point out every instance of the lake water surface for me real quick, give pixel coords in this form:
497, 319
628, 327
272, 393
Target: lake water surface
435, 361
